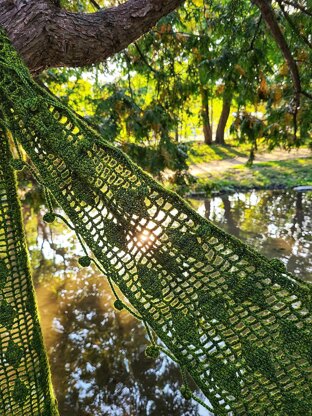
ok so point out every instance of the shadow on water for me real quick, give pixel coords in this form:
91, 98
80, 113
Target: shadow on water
97, 353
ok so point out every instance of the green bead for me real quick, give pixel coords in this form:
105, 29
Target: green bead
186, 392
118, 305
152, 351
49, 217
84, 261
17, 164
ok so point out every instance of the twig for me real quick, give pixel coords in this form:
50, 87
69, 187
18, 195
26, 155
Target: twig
144, 59
173, 33
293, 26
255, 35
298, 6
95, 4
306, 94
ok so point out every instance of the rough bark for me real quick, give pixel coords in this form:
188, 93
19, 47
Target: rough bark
226, 107
48, 36
205, 116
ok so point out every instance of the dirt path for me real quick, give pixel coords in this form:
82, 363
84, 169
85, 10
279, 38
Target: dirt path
222, 165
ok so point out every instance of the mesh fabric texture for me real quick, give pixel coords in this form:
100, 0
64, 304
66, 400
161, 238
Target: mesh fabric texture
236, 322
25, 387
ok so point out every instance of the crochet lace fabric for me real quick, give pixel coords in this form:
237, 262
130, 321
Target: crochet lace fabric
24, 373
237, 323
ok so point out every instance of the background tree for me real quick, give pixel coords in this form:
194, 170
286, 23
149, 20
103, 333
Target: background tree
203, 56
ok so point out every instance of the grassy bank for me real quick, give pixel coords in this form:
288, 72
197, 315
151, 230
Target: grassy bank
263, 175
198, 152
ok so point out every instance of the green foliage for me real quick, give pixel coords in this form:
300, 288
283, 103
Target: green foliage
86, 5
149, 97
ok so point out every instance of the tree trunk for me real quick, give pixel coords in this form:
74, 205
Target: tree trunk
297, 224
207, 208
177, 134
226, 107
205, 116
48, 36
271, 21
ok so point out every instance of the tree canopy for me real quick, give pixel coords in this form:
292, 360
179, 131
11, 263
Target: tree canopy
202, 67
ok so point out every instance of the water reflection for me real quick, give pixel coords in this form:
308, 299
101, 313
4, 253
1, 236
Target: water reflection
279, 224
96, 353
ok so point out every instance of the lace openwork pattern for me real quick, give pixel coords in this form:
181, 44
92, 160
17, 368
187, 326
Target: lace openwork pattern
237, 323
25, 387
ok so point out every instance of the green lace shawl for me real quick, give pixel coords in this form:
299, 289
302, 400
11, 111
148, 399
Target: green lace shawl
237, 323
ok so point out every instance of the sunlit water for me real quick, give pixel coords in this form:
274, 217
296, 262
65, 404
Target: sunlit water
96, 353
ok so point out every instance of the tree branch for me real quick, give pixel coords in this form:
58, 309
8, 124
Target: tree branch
298, 6
293, 26
255, 34
272, 24
47, 36
307, 94
95, 5
144, 59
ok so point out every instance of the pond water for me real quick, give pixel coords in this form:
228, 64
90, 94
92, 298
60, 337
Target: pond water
97, 353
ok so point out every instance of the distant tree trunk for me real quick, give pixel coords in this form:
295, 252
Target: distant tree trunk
177, 134
205, 116
207, 208
228, 215
226, 107
298, 219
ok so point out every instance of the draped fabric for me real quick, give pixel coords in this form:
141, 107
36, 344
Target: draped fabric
237, 323
25, 387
